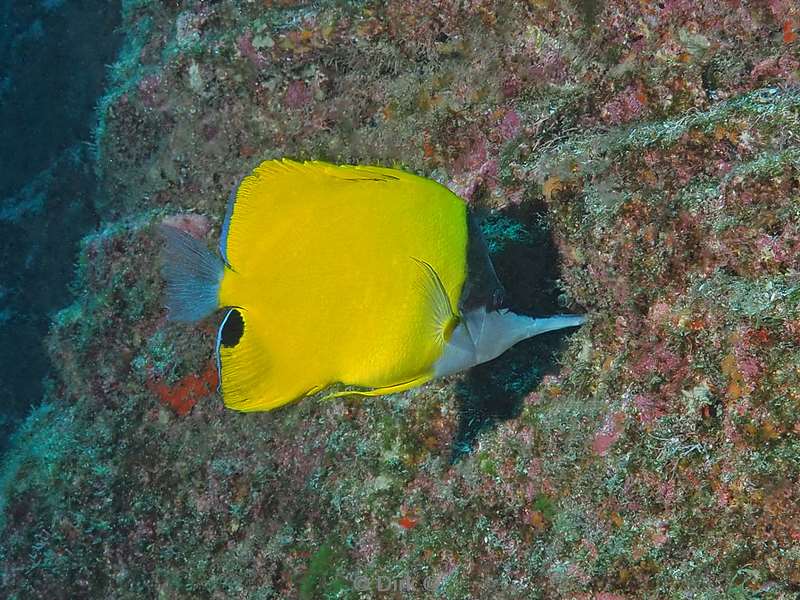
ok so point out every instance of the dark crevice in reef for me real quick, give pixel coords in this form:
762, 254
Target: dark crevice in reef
526, 262
53, 57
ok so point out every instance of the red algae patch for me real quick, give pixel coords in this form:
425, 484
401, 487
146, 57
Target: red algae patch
183, 395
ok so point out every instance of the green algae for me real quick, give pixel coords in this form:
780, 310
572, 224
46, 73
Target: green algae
320, 580
499, 230
773, 109
761, 299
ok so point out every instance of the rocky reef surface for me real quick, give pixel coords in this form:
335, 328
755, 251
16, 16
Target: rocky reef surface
648, 151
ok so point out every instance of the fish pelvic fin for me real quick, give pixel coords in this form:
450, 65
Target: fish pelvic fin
444, 318
192, 273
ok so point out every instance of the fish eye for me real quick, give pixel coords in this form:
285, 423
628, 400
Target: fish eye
232, 329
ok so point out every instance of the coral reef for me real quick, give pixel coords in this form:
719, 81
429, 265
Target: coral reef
654, 143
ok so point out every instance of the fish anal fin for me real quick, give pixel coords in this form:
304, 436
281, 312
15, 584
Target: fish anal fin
382, 391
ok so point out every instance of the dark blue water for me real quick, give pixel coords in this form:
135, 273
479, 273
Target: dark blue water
53, 57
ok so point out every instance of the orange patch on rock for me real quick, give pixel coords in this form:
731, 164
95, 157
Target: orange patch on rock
789, 34
407, 522
182, 396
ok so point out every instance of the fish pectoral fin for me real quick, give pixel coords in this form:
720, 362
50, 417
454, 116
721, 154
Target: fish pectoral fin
444, 318
382, 391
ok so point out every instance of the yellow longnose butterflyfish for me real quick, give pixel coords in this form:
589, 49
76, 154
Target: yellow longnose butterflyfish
367, 276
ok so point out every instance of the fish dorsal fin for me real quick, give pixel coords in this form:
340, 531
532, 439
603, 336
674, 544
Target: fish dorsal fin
443, 317
274, 184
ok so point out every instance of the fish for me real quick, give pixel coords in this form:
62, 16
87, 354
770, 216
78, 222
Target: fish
363, 276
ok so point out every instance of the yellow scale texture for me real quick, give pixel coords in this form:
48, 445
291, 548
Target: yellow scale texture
323, 269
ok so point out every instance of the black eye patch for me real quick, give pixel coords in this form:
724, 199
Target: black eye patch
232, 329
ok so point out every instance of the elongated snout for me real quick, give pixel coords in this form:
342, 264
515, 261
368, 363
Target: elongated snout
482, 336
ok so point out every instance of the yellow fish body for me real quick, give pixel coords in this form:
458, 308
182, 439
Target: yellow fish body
367, 276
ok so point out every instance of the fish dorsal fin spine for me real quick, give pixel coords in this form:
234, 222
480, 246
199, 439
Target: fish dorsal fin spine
444, 317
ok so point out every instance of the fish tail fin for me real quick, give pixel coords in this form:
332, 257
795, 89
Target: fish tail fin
253, 376
192, 274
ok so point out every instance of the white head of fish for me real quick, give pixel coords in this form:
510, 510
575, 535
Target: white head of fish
482, 336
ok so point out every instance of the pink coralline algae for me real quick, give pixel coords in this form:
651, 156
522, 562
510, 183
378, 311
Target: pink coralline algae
648, 408
511, 125
626, 106
297, 95
784, 69
196, 225
609, 433
658, 359
474, 168
244, 45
